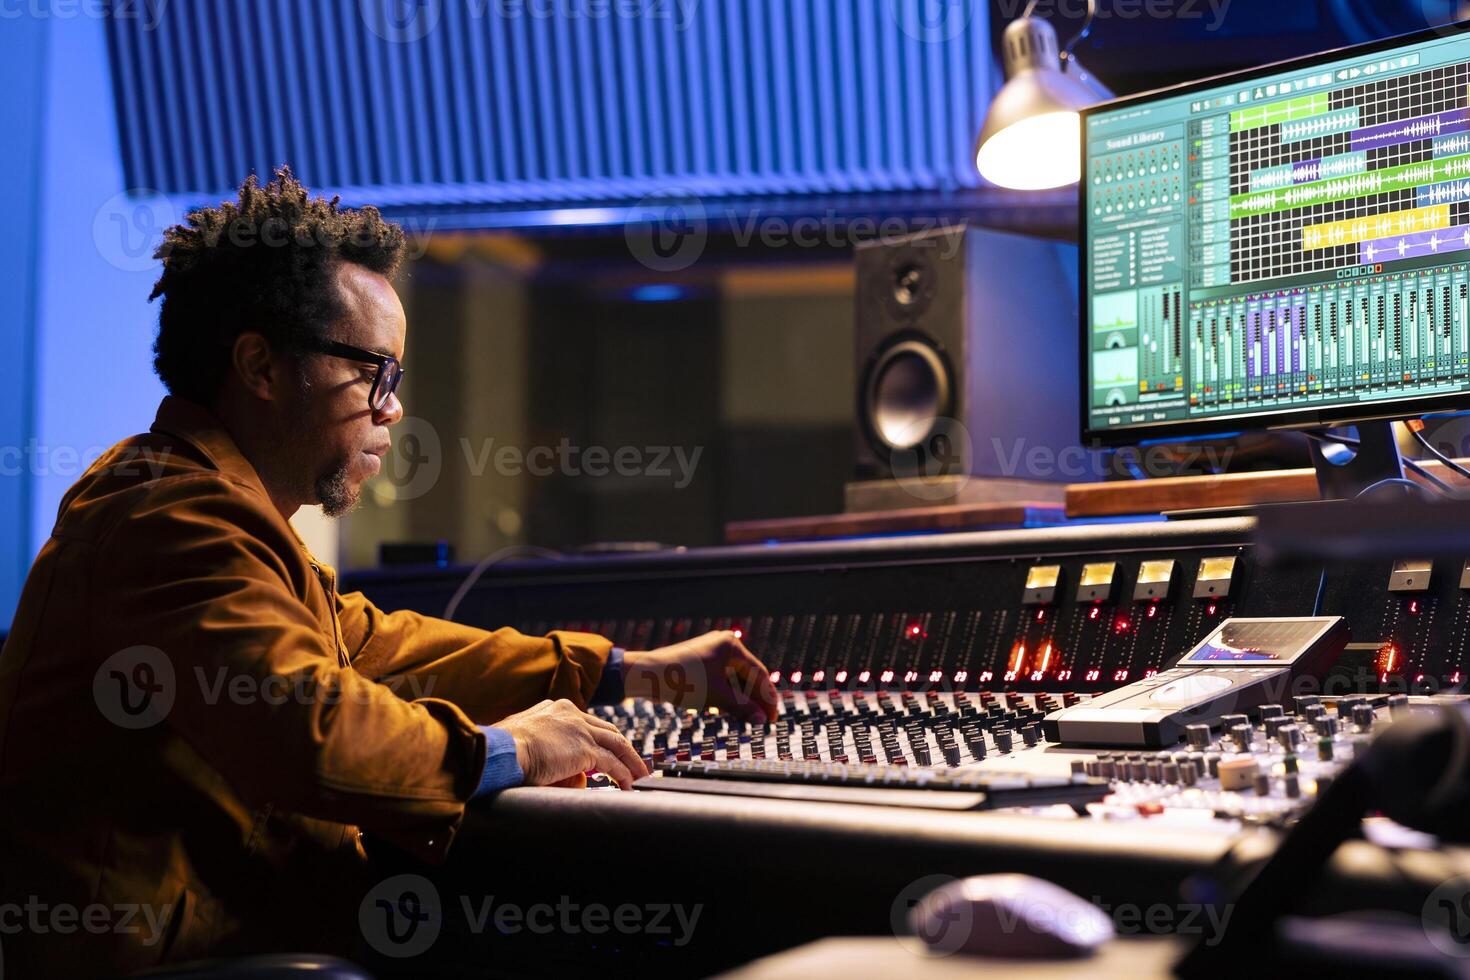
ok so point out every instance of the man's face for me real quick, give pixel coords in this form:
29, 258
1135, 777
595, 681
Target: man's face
340, 441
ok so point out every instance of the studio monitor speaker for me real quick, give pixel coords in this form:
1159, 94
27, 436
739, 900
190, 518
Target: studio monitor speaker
967, 357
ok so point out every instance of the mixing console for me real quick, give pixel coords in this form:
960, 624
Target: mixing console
1258, 768
916, 677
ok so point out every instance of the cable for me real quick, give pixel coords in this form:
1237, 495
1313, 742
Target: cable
1414, 465
1395, 481
1444, 487
1321, 587
513, 551
1417, 429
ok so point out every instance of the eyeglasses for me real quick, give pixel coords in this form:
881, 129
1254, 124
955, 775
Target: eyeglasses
385, 382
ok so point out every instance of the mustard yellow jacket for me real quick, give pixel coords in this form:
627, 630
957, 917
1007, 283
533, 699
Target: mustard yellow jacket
195, 726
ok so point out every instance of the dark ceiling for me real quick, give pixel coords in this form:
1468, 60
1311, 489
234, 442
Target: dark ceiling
1132, 50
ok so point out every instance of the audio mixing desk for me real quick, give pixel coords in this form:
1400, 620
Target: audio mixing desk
929, 666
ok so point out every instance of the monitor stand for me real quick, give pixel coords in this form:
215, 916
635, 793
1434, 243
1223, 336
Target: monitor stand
1344, 471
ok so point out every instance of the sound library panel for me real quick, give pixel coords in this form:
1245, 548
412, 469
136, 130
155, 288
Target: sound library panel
1311, 249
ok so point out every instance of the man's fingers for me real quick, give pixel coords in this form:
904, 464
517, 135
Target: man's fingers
751, 689
608, 765
615, 743
756, 671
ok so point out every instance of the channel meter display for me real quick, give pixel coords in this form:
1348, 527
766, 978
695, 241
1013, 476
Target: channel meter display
1286, 246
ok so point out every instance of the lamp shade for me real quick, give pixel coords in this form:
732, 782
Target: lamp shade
1032, 136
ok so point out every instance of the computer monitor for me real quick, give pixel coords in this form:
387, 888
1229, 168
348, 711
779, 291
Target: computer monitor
1285, 246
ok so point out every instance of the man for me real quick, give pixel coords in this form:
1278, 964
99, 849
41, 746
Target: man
196, 729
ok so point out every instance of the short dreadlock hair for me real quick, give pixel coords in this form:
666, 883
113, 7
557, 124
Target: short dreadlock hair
265, 263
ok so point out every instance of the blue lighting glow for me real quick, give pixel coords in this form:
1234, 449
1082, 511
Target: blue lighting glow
657, 293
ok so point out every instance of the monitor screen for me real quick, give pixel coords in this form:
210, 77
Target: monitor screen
1286, 246
1253, 642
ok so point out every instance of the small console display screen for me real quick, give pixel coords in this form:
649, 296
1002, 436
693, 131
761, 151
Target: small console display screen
1257, 641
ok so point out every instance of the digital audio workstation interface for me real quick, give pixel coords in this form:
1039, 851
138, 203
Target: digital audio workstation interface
1284, 245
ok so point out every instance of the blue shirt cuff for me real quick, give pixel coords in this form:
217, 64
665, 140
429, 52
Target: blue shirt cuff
610, 688
502, 771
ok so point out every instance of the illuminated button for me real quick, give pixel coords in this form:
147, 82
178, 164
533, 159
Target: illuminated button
1215, 575
1154, 579
1097, 581
1041, 584
1410, 576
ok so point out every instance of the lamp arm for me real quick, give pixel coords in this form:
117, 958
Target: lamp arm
1081, 33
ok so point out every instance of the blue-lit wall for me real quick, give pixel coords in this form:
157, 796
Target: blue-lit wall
22, 79
538, 102
76, 278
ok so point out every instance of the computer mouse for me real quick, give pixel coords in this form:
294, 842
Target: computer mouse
1009, 915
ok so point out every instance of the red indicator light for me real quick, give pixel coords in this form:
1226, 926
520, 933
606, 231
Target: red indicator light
914, 630
1093, 675
739, 634
986, 675
1418, 678
1413, 607
1040, 615
1455, 677
1094, 612
1390, 656
935, 676
864, 677
1152, 610
1121, 625
819, 676
1120, 675
796, 677
842, 677
1064, 675
775, 677
1017, 660
886, 676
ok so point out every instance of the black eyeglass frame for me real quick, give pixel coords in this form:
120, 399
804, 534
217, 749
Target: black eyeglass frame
388, 366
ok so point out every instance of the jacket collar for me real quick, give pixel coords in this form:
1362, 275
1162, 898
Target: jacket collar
198, 426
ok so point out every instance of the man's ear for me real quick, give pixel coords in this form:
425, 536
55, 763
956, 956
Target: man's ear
254, 363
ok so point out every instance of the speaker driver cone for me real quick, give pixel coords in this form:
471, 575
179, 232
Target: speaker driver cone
908, 391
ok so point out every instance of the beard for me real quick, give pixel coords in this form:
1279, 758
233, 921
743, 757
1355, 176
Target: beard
335, 492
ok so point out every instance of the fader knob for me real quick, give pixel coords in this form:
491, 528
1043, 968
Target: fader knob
1241, 736
1198, 736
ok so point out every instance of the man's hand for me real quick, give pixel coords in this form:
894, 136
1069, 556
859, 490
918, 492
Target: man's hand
556, 742
710, 671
